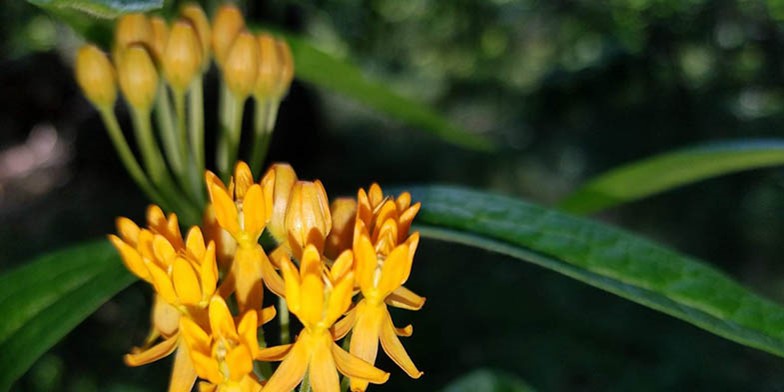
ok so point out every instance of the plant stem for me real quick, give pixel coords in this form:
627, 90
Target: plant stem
196, 114
163, 116
222, 155
305, 386
283, 316
127, 157
235, 106
260, 135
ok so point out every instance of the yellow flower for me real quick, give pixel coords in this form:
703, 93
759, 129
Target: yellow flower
222, 352
308, 219
184, 275
343, 211
318, 297
243, 209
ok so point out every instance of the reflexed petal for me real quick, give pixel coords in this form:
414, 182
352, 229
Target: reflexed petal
290, 371
254, 211
153, 353
243, 179
267, 314
394, 348
342, 265
413, 243
341, 328
340, 298
128, 230
354, 367
195, 243
271, 278
221, 321
240, 362
364, 339
275, 353
247, 329
323, 374
131, 258
396, 268
404, 298
292, 282
208, 273
205, 386
405, 331
186, 282
225, 210
162, 283
183, 374
165, 317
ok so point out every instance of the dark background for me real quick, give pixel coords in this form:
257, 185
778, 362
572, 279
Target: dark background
567, 89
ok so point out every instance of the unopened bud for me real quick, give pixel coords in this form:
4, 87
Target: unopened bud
308, 218
287, 68
195, 14
182, 59
269, 73
131, 29
283, 177
226, 25
160, 36
138, 77
341, 237
242, 65
96, 76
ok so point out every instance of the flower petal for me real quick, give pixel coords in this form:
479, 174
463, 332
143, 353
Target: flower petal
323, 374
208, 272
405, 331
275, 353
341, 328
186, 282
196, 338
395, 270
131, 258
194, 243
272, 280
247, 330
290, 371
354, 367
128, 230
248, 275
292, 281
364, 339
243, 179
163, 250
183, 374
365, 260
254, 212
153, 353
267, 314
342, 265
312, 301
404, 298
239, 362
165, 317
225, 210
162, 283
394, 348
340, 298
221, 321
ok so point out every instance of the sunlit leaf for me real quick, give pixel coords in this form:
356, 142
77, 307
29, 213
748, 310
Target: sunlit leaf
484, 380
604, 257
324, 70
48, 297
670, 170
100, 8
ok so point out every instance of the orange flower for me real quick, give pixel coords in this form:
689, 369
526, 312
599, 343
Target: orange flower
318, 297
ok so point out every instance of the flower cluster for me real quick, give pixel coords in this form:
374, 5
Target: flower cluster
158, 66
335, 267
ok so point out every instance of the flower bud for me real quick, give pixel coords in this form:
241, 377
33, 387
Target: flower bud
195, 14
283, 177
308, 219
226, 24
287, 68
242, 65
270, 70
341, 237
160, 36
138, 77
96, 76
131, 29
182, 59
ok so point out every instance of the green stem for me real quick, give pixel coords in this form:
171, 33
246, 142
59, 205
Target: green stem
196, 114
236, 107
305, 386
189, 180
224, 115
272, 115
127, 157
283, 316
260, 135
163, 117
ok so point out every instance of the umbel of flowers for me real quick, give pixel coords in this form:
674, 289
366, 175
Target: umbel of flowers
337, 267
334, 294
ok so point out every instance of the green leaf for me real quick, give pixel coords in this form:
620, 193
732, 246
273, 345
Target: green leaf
100, 8
670, 170
605, 257
485, 380
48, 297
324, 70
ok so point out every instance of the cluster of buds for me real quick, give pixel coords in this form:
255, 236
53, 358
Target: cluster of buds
158, 66
337, 267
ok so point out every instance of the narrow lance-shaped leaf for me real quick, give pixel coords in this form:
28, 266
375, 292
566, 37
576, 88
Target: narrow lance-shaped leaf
324, 70
100, 8
670, 170
604, 257
48, 297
